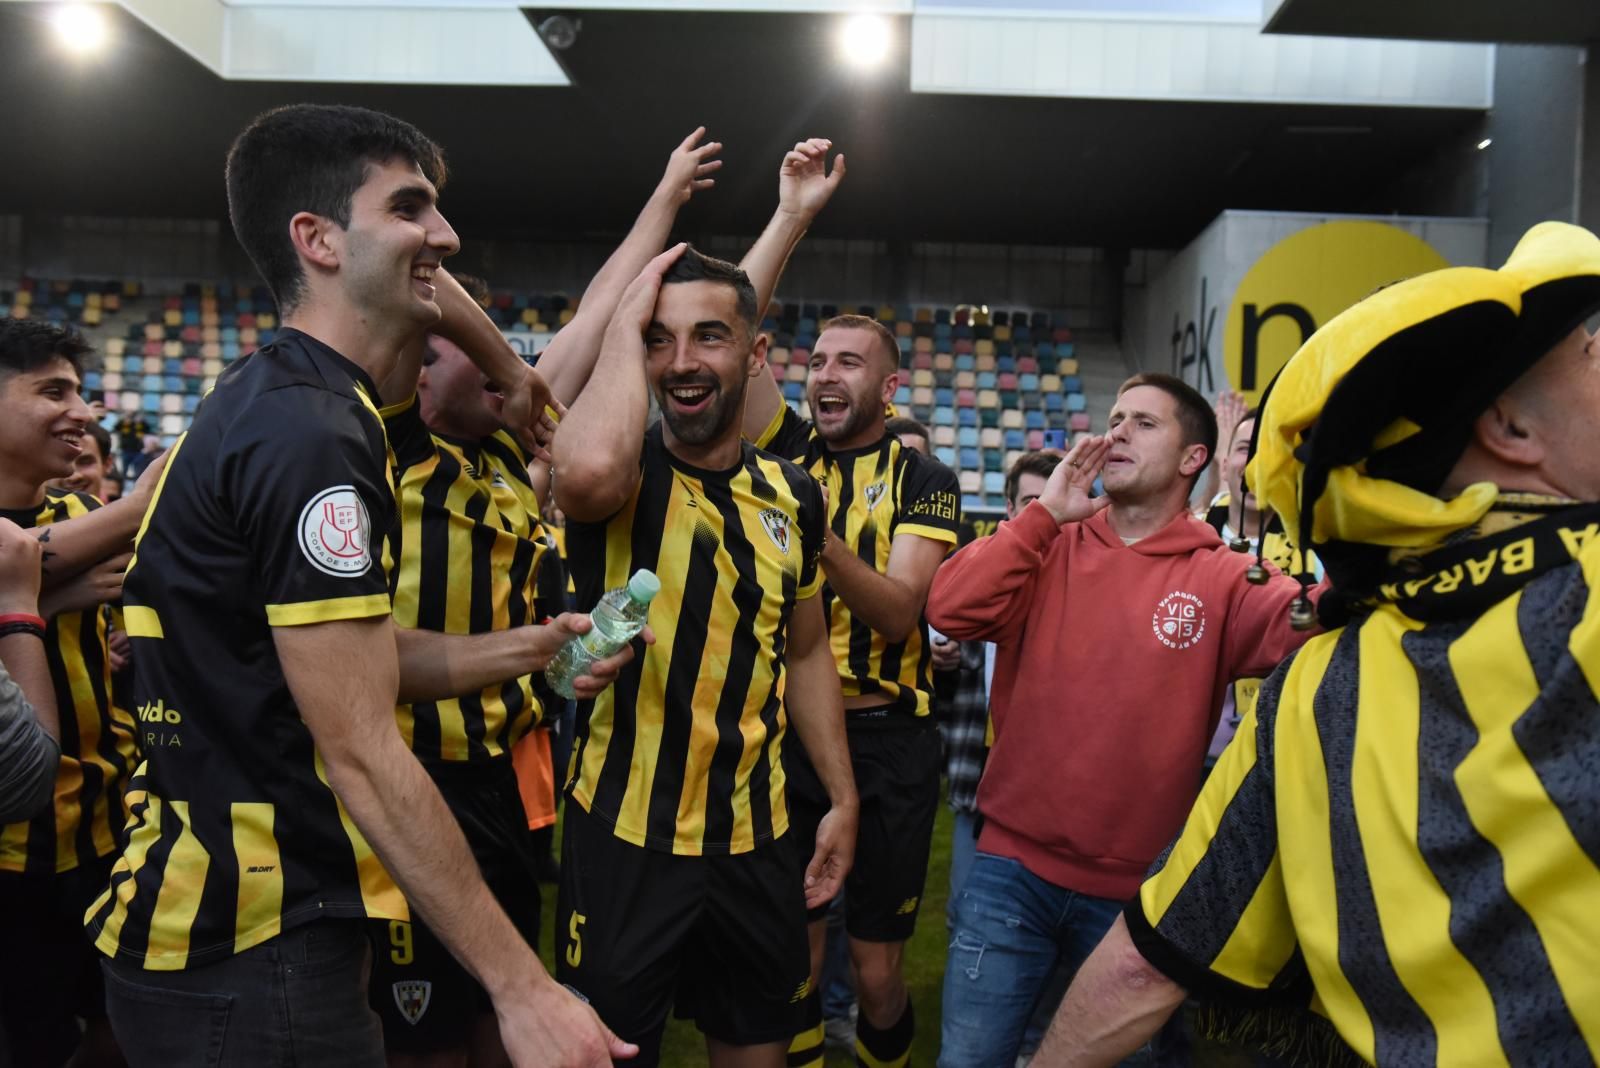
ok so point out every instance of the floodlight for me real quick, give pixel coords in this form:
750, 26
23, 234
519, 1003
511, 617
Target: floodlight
864, 40
81, 28
1485, 143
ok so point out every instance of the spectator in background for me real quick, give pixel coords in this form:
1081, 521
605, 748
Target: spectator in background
1118, 622
29, 731
132, 429
92, 467
135, 467
53, 865
1401, 842
912, 434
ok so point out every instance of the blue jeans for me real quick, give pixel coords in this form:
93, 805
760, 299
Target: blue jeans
963, 848
1012, 931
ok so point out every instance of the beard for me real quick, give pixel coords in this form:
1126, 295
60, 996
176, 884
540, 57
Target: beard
703, 427
857, 417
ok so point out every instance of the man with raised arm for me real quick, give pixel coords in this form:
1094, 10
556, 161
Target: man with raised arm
679, 885
893, 515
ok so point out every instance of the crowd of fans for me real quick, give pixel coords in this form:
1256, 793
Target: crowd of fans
1301, 771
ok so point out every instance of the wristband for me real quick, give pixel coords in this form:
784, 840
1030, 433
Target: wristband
18, 626
22, 617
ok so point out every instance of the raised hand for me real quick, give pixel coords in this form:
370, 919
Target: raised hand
1230, 408
690, 167
526, 412
804, 184
1067, 493
638, 304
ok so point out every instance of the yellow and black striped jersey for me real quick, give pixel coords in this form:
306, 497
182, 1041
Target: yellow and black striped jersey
269, 514
682, 754
98, 750
875, 494
1405, 837
466, 552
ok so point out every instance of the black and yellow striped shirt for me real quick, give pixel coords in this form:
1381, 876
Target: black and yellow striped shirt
1406, 836
98, 750
682, 754
269, 514
466, 554
875, 494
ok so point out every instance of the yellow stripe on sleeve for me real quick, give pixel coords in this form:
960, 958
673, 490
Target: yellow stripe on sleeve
329, 611
142, 622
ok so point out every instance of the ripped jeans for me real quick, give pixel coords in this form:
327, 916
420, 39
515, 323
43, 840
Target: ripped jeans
1012, 928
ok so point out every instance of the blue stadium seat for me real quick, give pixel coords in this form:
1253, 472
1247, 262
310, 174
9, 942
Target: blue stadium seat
190, 403
1015, 440
944, 379
902, 397
972, 502
967, 416
942, 330
966, 362
945, 455
1054, 402
904, 343
969, 459
1028, 383
967, 437
794, 392
994, 482
172, 383
151, 402
994, 462
91, 380
1033, 419
986, 379
944, 397
944, 416
1077, 403
1006, 365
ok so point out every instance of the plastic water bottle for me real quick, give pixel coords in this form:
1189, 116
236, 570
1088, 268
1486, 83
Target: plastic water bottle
620, 615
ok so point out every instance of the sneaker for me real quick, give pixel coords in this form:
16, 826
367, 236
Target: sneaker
840, 1032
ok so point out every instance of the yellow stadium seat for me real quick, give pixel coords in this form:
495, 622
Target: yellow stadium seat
172, 317
530, 315
885, 313
1002, 333
944, 361
983, 347
172, 350
153, 332
116, 346
211, 350
923, 395
212, 366
924, 315
266, 321
988, 398
966, 380
922, 377
566, 315
922, 344
1011, 419
985, 362
1049, 383
1068, 366
92, 300
111, 363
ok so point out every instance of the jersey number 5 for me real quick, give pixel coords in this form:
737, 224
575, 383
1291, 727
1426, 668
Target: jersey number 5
575, 946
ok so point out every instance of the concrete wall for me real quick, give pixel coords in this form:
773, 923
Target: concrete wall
1535, 158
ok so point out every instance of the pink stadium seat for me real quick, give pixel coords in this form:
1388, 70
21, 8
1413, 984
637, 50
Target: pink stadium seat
1078, 421
966, 398
1027, 365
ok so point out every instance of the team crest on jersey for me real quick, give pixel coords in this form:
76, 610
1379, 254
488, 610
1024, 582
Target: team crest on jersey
775, 521
1179, 620
874, 494
411, 997
335, 532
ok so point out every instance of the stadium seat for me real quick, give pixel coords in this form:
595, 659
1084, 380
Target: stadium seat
922, 377
967, 437
1033, 419
973, 502
1071, 384
987, 380
994, 461
1010, 416
966, 363
1028, 383
1055, 402
902, 396
966, 398
1014, 439
944, 416
966, 380
1066, 367
793, 391
922, 396
1078, 421
795, 372
990, 438
944, 397
969, 461
966, 417
944, 435
946, 455
994, 483
1076, 403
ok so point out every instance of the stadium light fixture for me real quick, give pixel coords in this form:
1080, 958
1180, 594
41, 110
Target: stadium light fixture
1485, 143
864, 41
81, 28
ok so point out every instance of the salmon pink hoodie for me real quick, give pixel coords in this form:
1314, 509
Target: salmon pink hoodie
1110, 667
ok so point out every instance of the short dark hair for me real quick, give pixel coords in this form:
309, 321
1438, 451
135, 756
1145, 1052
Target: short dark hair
102, 437
696, 266
1196, 418
310, 157
1038, 462
891, 350
476, 287
904, 424
29, 344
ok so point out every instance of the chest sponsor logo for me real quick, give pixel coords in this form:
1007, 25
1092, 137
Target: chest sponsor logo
1179, 620
941, 505
873, 494
411, 997
775, 522
335, 532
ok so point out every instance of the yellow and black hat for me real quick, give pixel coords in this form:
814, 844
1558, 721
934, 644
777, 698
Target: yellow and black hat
1366, 420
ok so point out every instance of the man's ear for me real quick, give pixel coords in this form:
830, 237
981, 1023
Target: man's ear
1505, 431
758, 353
312, 236
1195, 458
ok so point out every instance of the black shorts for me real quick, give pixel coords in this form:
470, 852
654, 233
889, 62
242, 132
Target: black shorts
426, 1000
51, 976
897, 761
720, 940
